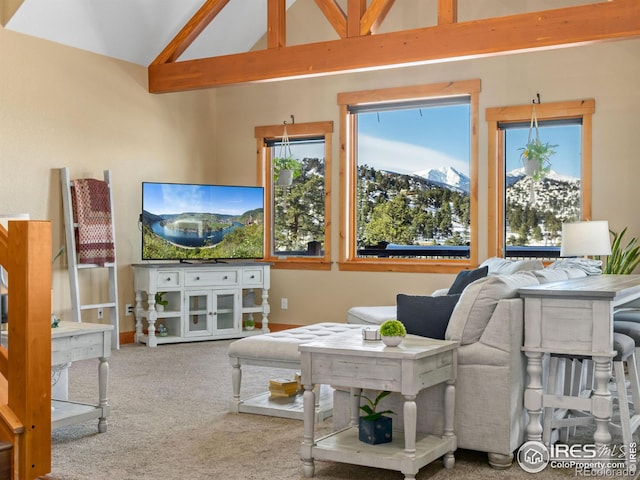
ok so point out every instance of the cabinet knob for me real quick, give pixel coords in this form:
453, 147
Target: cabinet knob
253, 276
197, 278
168, 279
225, 277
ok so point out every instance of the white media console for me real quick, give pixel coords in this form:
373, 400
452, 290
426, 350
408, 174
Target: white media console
206, 301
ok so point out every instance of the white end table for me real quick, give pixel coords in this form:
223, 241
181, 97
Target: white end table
347, 360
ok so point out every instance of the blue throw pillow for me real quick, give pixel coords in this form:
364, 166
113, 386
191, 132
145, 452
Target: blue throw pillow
465, 277
426, 316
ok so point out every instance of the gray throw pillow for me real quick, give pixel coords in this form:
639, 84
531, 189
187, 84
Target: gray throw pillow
465, 277
426, 316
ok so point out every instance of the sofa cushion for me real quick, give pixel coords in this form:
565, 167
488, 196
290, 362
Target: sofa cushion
548, 276
478, 302
424, 315
502, 266
465, 277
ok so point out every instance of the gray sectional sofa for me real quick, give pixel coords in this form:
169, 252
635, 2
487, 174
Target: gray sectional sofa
488, 322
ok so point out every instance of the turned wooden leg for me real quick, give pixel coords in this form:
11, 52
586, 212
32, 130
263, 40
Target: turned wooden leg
236, 379
306, 449
103, 400
601, 405
449, 407
533, 395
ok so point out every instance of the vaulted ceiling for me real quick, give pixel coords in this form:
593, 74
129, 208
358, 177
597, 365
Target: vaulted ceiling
209, 43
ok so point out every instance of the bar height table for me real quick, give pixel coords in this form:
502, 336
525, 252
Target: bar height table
573, 317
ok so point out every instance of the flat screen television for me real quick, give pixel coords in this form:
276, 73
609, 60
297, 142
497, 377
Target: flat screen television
202, 222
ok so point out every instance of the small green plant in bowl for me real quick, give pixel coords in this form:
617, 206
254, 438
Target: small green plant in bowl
392, 332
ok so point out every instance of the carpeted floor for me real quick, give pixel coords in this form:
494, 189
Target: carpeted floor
169, 420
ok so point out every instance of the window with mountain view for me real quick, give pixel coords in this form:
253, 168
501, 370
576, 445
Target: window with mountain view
410, 161
295, 209
533, 210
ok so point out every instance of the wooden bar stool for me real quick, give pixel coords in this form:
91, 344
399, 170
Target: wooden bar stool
574, 410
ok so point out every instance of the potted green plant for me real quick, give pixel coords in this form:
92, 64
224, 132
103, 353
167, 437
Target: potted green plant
392, 332
286, 169
249, 323
622, 260
161, 303
536, 158
374, 427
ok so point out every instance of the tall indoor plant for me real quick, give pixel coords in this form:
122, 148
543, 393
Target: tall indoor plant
623, 259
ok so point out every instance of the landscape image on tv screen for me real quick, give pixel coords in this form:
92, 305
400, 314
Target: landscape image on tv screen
206, 222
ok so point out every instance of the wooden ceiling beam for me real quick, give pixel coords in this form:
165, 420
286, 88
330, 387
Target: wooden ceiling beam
447, 11
7, 9
336, 16
276, 23
374, 16
475, 39
355, 11
190, 31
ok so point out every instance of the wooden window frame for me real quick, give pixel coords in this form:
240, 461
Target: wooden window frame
583, 109
267, 133
348, 162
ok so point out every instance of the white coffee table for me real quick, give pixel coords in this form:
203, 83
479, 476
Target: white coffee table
347, 360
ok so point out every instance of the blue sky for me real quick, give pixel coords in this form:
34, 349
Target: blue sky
410, 140
174, 198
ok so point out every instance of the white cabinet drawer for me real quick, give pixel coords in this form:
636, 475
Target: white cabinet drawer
168, 279
252, 277
211, 278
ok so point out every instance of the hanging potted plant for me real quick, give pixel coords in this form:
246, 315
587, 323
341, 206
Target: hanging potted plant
285, 170
285, 167
536, 159
536, 155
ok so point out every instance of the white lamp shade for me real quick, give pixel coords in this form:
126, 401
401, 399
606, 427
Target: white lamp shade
580, 239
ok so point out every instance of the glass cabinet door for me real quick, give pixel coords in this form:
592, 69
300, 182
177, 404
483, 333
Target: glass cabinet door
199, 313
210, 312
226, 310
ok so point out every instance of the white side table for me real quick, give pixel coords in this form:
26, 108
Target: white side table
347, 360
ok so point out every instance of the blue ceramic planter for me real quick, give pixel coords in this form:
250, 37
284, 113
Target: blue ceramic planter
375, 431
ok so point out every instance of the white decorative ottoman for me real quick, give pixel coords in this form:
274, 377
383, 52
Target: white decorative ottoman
280, 350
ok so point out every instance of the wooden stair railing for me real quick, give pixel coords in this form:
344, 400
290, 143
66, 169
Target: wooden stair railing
25, 368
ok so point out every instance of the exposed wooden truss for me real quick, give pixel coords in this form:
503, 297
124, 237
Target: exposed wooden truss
359, 48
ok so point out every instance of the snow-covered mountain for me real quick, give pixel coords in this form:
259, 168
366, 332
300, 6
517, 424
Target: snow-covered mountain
447, 176
514, 175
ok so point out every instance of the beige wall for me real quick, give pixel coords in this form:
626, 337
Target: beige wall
608, 73
61, 106
64, 107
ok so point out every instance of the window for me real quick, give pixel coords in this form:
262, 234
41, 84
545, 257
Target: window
526, 216
408, 173
298, 233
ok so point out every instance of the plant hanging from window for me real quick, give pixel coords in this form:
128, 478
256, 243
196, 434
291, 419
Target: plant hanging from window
285, 166
536, 156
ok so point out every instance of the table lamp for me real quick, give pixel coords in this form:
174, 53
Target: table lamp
581, 239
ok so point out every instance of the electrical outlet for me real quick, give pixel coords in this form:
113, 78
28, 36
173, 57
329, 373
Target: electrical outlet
100, 313
284, 303
128, 308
